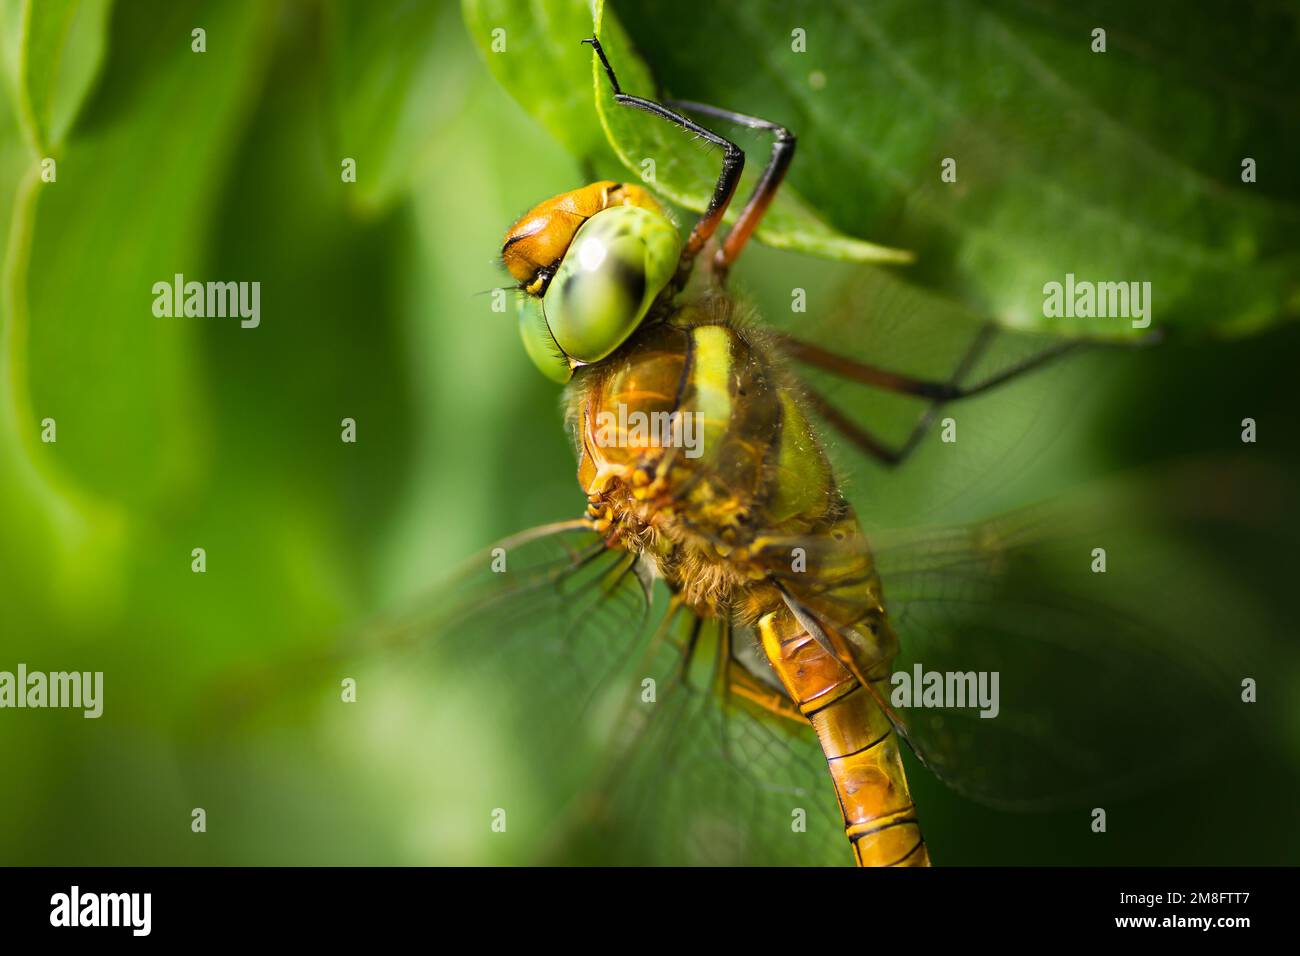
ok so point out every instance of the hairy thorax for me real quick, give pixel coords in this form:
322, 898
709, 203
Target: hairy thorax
694, 451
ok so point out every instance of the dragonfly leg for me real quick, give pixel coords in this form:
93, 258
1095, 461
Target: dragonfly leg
735, 680
765, 190
688, 649
939, 393
948, 391
733, 163
743, 684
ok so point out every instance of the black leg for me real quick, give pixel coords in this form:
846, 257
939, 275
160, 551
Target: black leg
733, 163
768, 183
937, 392
863, 440
950, 390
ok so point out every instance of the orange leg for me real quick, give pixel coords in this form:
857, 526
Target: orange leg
937, 392
743, 684
764, 192
733, 163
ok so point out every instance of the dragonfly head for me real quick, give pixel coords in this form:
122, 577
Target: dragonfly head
592, 262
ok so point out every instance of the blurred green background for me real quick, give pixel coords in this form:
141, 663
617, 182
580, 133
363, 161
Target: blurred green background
221, 691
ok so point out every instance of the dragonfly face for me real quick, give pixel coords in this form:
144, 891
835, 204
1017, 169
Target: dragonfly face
593, 261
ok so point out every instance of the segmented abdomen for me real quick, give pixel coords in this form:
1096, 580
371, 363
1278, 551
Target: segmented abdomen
860, 744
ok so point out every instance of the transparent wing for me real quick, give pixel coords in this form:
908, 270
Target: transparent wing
995, 438
626, 747
705, 778
1118, 627
552, 599
1106, 678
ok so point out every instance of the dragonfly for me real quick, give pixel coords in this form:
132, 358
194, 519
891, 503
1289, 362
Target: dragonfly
712, 662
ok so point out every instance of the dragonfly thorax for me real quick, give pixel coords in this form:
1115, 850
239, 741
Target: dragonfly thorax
694, 451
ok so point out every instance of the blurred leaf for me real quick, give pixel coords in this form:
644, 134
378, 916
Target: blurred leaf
167, 118
52, 52
35, 518
539, 60
392, 86
1122, 166
53, 532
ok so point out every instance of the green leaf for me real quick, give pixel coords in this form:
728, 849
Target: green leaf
45, 532
1122, 166
392, 87
686, 174
52, 53
534, 51
167, 118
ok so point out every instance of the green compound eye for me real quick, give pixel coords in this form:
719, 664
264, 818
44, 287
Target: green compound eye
539, 343
618, 262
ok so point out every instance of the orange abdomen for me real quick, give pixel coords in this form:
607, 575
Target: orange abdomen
860, 745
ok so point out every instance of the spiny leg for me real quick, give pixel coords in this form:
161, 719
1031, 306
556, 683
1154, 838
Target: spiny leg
764, 192
938, 392
862, 439
744, 685
688, 648
722, 680
733, 163
948, 391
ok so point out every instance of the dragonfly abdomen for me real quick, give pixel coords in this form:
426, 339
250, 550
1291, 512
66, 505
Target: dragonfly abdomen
860, 744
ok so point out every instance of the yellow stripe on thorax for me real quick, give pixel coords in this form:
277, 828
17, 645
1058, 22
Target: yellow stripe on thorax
802, 478
711, 376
